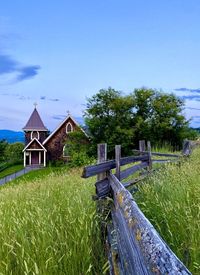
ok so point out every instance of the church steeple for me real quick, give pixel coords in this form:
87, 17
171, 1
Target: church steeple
35, 128
35, 122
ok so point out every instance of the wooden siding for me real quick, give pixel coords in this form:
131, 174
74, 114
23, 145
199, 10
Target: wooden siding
56, 143
34, 145
42, 135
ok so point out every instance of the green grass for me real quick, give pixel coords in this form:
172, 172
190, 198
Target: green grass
171, 200
49, 225
11, 170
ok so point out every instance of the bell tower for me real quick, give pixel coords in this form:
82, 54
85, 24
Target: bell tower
34, 128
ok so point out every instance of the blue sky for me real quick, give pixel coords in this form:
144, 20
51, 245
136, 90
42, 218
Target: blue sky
57, 53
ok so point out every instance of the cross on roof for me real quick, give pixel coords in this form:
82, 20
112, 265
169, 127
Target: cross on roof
35, 104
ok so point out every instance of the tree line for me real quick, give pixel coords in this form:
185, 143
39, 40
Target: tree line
113, 117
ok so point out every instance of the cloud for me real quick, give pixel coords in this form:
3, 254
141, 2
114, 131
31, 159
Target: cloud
58, 117
191, 97
27, 72
192, 108
187, 90
9, 65
42, 97
54, 99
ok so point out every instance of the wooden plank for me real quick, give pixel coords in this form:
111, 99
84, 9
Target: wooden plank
142, 146
117, 160
129, 171
93, 170
187, 148
141, 249
158, 154
149, 154
101, 158
134, 181
102, 188
164, 160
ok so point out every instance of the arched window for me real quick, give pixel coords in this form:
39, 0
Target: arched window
66, 150
69, 128
35, 134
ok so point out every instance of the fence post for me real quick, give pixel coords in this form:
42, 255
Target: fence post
142, 146
186, 147
117, 160
101, 157
149, 154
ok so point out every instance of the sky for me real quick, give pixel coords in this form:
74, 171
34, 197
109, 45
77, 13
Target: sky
58, 53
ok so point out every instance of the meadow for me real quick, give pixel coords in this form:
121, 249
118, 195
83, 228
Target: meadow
170, 199
49, 225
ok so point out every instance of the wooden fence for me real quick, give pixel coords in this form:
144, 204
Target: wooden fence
133, 244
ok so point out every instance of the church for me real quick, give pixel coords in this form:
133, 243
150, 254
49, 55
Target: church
40, 146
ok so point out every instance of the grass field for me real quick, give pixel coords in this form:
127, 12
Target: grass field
171, 200
48, 225
11, 170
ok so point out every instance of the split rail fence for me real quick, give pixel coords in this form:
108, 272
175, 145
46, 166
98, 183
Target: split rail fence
133, 244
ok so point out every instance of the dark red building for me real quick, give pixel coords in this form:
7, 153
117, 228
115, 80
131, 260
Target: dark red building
41, 147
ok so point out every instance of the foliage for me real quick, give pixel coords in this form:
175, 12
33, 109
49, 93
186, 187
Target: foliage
171, 200
109, 117
114, 118
13, 152
49, 226
77, 148
3, 145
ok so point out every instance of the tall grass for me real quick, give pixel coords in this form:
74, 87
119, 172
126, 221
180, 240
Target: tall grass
50, 226
171, 200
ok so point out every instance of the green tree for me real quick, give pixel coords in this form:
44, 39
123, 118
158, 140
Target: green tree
77, 147
114, 118
3, 145
109, 117
159, 118
13, 152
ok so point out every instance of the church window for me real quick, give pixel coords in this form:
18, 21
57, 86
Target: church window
35, 134
69, 128
66, 150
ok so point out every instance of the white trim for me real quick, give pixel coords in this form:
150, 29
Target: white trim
44, 159
39, 157
72, 129
34, 149
38, 135
30, 159
30, 150
24, 159
39, 130
61, 124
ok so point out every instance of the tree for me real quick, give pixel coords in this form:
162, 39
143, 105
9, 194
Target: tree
114, 118
159, 118
13, 152
3, 145
77, 147
109, 117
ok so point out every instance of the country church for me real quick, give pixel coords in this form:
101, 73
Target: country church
40, 146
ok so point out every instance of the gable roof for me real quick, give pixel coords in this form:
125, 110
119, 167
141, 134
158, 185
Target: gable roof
35, 139
35, 123
61, 124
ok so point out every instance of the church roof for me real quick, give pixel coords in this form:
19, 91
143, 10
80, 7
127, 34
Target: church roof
35, 123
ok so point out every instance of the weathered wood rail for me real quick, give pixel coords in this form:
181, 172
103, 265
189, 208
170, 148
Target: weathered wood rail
134, 246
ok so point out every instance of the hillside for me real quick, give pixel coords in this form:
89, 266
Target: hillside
49, 225
170, 199
11, 136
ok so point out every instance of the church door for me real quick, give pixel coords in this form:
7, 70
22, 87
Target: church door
35, 157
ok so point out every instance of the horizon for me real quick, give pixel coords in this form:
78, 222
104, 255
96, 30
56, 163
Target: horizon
61, 55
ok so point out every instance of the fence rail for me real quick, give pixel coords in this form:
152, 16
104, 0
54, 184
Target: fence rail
135, 247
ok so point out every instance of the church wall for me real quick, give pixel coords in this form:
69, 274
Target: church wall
56, 143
